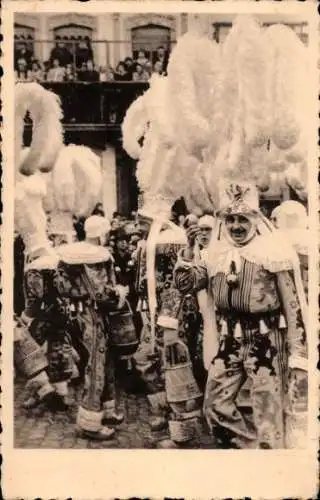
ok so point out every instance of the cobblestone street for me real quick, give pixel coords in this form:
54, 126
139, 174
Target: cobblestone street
40, 428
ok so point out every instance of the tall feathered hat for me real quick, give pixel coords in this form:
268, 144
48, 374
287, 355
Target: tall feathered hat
248, 94
31, 220
44, 109
73, 189
164, 167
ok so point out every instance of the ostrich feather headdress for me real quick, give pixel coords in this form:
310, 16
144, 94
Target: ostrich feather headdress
31, 222
47, 134
263, 126
164, 165
74, 187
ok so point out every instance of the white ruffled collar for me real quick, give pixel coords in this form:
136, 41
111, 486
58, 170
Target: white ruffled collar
83, 253
42, 263
270, 251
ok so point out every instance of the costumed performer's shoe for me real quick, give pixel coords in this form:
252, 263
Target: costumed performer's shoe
31, 402
35, 400
104, 434
115, 418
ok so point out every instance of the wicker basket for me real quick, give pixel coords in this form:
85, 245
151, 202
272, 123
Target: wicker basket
29, 358
180, 382
182, 431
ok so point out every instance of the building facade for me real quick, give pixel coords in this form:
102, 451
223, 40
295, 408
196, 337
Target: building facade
113, 37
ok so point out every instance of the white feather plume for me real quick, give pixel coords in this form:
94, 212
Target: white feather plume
45, 111
134, 126
290, 68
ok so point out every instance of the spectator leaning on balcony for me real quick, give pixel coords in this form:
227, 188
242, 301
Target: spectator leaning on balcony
129, 64
69, 75
121, 74
22, 52
140, 74
89, 74
60, 53
106, 74
36, 73
56, 72
158, 69
21, 73
142, 59
83, 52
161, 56
148, 68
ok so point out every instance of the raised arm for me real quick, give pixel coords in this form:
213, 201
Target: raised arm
189, 277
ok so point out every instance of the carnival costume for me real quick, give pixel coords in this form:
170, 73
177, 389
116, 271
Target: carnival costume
72, 174
41, 306
260, 325
87, 287
29, 357
31, 362
30, 222
165, 316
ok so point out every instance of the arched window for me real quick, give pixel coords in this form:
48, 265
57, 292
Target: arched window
149, 38
73, 30
23, 32
77, 40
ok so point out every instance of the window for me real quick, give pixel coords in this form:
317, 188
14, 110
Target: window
77, 40
148, 38
24, 35
23, 32
73, 30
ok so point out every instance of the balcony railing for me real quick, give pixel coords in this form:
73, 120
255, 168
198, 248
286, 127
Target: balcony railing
95, 106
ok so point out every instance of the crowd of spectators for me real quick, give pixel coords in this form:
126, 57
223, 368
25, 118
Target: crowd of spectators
73, 60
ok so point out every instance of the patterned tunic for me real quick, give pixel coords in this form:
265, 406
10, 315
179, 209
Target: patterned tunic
70, 305
171, 303
51, 323
253, 342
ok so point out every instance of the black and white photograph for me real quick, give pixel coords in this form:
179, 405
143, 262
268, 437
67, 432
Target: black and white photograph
161, 229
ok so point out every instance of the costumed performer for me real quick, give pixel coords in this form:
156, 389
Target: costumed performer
162, 166
30, 219
260, 324
260, 307
86, 285
42, 308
